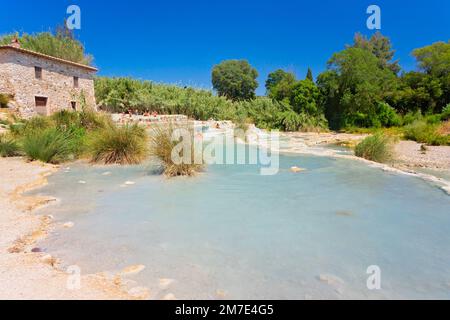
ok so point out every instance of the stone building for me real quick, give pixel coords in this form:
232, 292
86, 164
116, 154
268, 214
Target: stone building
39, 84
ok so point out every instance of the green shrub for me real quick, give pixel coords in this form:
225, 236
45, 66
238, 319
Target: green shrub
121, 145
35, 124
66, 118
91, 120
161, 146
377, 147
8, 146
410, 117
48, 145
77, 141
16, 129
445, 114
423, 132
25, 127
433, 118
4, 99
290, 120
387, 116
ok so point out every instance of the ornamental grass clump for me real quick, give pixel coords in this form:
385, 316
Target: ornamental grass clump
8, 146
118, 145
174, 162
375, 148
48, 145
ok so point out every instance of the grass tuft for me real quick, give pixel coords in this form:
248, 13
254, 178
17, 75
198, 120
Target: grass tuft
375, 148
8, 146
118, 145
162, 146
48, 145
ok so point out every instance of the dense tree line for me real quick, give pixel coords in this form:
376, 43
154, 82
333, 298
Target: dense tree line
123, 94
363, 86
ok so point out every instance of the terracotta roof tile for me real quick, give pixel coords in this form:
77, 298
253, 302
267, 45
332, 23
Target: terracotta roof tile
45, 56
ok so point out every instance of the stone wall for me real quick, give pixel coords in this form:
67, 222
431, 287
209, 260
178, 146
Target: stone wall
17, 78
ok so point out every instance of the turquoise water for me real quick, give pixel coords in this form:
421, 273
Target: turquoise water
232, 233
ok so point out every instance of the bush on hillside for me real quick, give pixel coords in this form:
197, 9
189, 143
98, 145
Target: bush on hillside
423, 132
445, 114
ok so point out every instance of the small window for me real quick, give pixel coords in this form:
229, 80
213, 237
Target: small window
75, 82
40, 101
38, 72
41, 105
73, 104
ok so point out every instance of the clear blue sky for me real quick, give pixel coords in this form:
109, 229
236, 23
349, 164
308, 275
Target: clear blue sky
179, 41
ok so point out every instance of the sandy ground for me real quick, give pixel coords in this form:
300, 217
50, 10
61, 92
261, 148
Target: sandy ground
313, 139
35, 275
407, 154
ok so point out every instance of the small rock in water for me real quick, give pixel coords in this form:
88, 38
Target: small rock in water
344, 213
165, 283
82, 182
107, 173
49, 260
127, 183
68, 225
117, 280
133, 269
221, 294
330, 279
169, 296
139, 292
297, 169
339, 291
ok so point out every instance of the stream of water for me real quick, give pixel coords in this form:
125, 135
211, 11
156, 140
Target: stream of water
232, 233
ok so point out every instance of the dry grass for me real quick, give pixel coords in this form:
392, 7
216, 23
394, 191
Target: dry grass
8, 146
162, 145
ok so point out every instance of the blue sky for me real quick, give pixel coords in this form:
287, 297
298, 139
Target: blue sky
179, 41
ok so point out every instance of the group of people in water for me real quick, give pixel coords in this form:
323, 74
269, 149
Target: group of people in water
145, 117
148, 117
136, 112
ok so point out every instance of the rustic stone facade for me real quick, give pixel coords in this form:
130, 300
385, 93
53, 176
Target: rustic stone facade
40, 84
